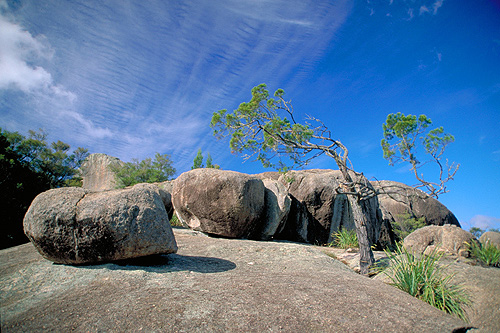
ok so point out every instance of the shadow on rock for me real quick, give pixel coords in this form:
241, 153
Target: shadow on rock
170, 263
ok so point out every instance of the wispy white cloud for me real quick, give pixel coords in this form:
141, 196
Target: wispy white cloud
434, 7
484, 222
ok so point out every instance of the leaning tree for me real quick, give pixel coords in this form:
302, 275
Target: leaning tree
265, 128
408, 139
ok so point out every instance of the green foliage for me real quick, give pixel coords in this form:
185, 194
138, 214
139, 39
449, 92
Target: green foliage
198, 162
175, 222
29, 166
423, 278
146, 171
257, 129
407, 225
404, 135
344, 239
487, 253
476, 232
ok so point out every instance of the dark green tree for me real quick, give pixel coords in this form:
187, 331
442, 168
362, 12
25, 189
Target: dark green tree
28, 166
265, 128
476, 232
198, 161
146, 171
404, 139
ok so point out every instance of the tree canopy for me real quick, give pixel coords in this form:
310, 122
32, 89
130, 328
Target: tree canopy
198, 162
404, 136
146, 171
265, 128
29, 166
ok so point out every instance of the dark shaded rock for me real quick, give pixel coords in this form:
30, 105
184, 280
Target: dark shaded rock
219, 202
277, 206
491, 237
73, 226
397, 199
97, 174
448, 238
165, 189
329, 211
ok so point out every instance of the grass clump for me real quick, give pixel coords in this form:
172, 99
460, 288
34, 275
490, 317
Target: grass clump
423, 278
175, 222
488, 253
344, 239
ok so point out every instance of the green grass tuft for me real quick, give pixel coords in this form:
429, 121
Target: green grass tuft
423, 278
344, 239
488, 254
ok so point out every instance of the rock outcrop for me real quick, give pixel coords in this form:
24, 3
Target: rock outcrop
491, 237
276, 208
165, 189
448, 238
327, 211
75, 226
97, 174
219, 202
396, 199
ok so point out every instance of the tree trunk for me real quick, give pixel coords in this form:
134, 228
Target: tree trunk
366, 255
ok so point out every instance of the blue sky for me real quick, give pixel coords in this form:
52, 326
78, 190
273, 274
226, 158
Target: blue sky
131, 78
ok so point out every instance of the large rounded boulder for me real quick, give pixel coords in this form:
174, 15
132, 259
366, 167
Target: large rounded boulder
490, 237
75, 226
219, 202
397, 201
448, 238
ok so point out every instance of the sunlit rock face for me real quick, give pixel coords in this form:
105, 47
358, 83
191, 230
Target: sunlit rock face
97, 174
219, 202
74, 226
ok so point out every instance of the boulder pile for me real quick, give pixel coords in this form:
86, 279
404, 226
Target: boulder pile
86, 225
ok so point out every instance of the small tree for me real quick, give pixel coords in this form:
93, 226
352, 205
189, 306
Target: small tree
406, 225
198, 162
476, 232
403, 135
146, 171
265, 128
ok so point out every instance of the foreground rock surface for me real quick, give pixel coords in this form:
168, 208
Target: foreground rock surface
72, 226
210, 285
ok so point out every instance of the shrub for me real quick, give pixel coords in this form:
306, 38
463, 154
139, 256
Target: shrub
407, 225
488, 253
175, 222
423, 278
344, 239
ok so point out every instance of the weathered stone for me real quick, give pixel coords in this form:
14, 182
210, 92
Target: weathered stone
491, 237
397, 200
165, 189
97, 174
448, 238
73, 226
329, 211
277, 206
219, 202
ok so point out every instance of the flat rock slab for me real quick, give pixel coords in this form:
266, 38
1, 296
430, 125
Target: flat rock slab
210, 285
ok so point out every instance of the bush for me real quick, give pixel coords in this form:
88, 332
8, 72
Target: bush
344, 239
146, 171
423, 278
175, 222
407, 225
488, 254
